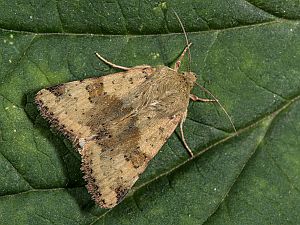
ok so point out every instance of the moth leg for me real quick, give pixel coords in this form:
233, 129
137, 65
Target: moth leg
178, 62
110, 63
182, 134
198, 99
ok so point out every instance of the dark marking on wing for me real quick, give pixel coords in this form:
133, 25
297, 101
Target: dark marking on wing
96, 88
57, 90
54, 121
161, 130
121, 193
136, 157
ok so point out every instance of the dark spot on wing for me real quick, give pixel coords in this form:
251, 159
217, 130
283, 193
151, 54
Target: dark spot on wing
161, 130
95, 88
131, 80
121, 193
57, 90
136, 157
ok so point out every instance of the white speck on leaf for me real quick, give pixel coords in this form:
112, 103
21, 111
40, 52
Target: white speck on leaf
154, 55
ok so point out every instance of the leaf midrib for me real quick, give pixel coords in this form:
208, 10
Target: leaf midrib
279, 20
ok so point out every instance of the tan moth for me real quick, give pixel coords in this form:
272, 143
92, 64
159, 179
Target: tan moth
119, 121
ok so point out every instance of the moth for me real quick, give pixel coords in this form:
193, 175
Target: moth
119, 122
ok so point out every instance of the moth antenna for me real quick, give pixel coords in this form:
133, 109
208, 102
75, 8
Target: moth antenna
222, 107
186, 39
110, 63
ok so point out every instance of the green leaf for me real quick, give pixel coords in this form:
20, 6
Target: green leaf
246, 53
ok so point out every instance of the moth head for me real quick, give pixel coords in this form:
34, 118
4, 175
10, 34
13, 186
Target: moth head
190, 78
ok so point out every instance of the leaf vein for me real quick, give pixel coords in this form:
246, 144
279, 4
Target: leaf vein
248, 26
59, 16
22, 55
253, 153
283, 172
17, 171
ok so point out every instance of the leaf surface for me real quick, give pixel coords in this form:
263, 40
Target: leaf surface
246, 53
